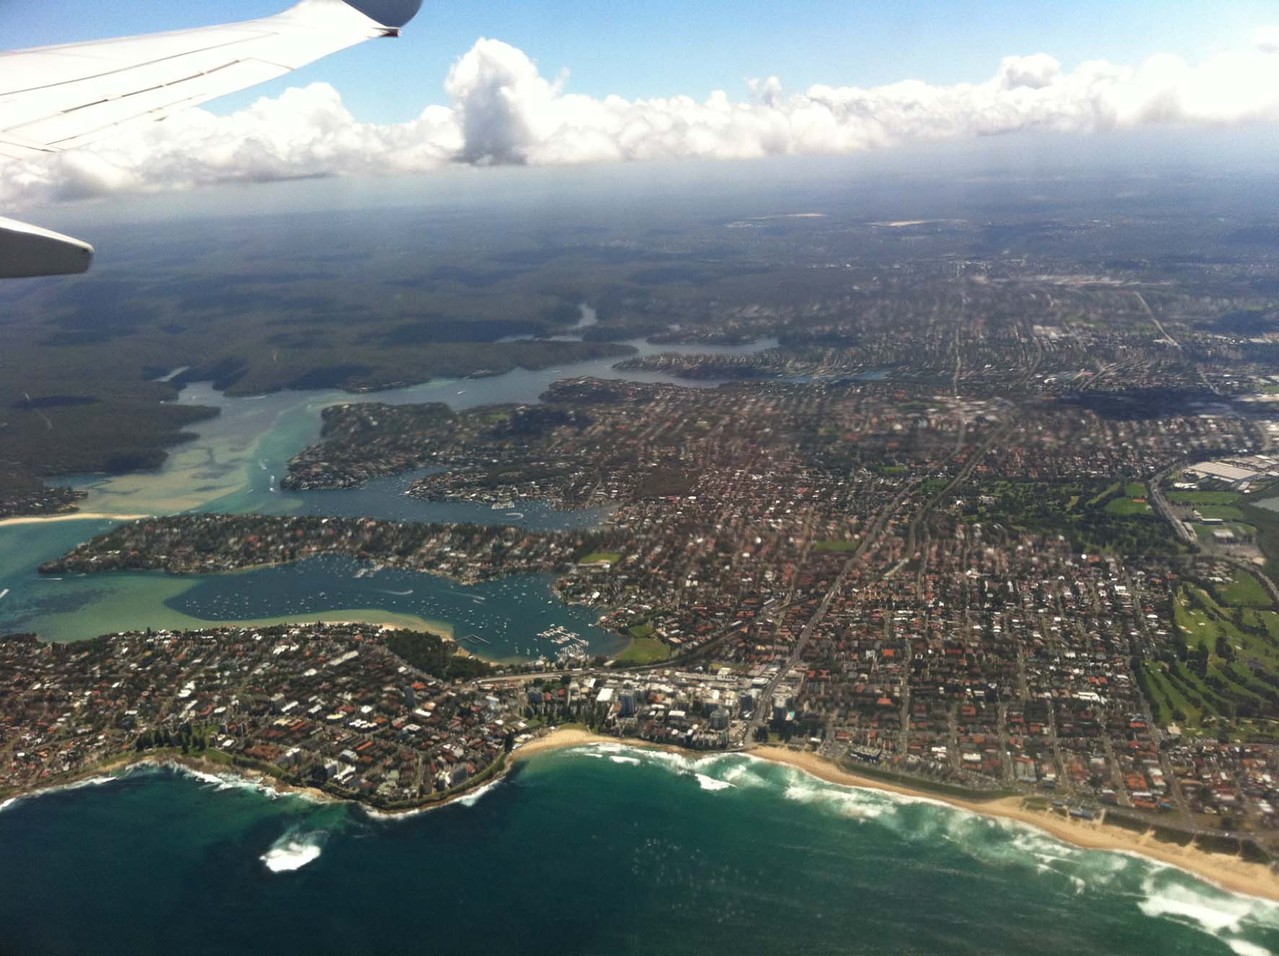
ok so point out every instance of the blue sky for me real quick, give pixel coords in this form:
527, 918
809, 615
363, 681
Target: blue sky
855, 77
665, 47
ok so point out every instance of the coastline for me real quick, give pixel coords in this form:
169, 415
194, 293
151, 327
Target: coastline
1223, 871
204, 767
185, 763
69, 516
1226, 872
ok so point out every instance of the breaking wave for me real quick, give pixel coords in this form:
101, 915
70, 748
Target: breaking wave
713, 772
711, 783
1169, 894
1159, 890
400, 816
219, 782
472, 798
63, 788
294, 850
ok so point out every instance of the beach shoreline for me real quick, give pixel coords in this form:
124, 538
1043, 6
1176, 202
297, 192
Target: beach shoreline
1230, 873
69, 516
1224, 871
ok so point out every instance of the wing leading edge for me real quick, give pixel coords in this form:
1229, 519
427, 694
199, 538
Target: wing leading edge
59, 97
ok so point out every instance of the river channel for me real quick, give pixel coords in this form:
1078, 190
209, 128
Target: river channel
234, 464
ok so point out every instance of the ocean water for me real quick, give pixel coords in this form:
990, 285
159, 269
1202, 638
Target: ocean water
598, 849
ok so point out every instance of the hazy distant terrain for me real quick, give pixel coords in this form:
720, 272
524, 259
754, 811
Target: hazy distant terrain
849, 274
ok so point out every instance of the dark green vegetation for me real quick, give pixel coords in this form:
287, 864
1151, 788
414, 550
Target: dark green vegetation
1223, 673
458, 287
434, 655
1240, 513
124, 428
81, 356
644, 650
1096, 516
1265, 527
601, 557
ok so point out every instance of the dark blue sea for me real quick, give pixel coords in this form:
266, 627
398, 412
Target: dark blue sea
597, 850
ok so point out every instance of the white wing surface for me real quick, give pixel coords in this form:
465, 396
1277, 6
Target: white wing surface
58, 97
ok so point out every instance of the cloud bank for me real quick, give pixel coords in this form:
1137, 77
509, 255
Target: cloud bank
503, 111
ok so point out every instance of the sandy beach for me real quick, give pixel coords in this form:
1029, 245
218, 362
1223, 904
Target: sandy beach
70, 516
1228, 872
563, 737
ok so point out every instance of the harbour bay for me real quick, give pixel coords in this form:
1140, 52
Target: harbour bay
233, 465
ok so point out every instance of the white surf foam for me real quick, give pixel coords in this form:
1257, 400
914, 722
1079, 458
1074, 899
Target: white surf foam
472, 798
843, 801
293, 851
399, 816
712, 772
994, 841
88, 782
212, 780
1219, 914
233, 781
710, 783
1245, 948
1185, 904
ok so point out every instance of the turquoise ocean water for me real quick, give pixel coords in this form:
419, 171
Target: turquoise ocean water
595, 850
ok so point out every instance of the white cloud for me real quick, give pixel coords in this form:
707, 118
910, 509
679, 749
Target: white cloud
1266, 38
503, 111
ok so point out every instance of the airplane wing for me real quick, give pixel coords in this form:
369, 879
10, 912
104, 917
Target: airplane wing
58, 97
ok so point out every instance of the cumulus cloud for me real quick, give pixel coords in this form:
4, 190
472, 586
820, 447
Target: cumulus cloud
502, 110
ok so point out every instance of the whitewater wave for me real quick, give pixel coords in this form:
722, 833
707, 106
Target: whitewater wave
220, 782
990, 840
1165, 891
474, 797
712, 772
711, 783
845, 802
1169, 894
63, 788
399, 816
294, 850
200, 775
